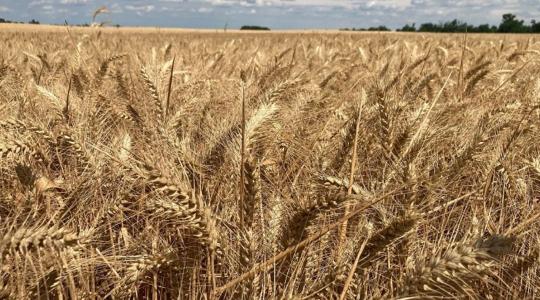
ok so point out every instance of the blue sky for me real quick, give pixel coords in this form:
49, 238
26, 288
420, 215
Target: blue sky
272, 13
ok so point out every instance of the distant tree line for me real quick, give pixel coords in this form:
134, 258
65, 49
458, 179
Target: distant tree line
35, 22
378, 28
509, 24
2, 20
253, 27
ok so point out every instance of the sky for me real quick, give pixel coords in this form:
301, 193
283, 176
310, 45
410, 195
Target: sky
277, 14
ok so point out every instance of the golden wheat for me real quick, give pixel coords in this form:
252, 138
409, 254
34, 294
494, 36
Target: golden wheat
199, 165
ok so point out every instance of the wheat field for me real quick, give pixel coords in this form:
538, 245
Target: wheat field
226, 165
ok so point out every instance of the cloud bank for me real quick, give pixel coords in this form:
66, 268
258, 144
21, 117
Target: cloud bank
272, 13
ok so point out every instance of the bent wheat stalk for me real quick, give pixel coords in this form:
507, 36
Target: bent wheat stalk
264, 266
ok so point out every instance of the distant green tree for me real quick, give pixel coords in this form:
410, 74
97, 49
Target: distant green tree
511, 24
535, 27
454, 26
408, 28
379, 28
428, 27
486, 28
2, 20
253, 27
33, 22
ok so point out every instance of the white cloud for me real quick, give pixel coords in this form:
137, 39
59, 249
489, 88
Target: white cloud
4, 9
205, 10
116, 9
74, 1
39, 2
347, 4
140, 8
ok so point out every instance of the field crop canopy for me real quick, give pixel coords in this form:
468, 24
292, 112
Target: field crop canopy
179, 164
